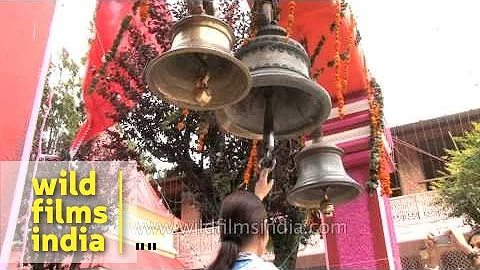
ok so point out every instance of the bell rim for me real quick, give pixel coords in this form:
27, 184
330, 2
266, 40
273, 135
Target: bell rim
354, 186
319, 147
239, 64
318, 90
177, 26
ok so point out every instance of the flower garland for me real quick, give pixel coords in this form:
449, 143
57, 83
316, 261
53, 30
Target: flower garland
291, 17
125, 66
202, 135
347, 55
378, 159
313, 220
181, 124
383, 174
250, 164
143, 10
338, 79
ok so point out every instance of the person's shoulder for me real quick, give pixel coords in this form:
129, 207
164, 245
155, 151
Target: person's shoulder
264, 265
268, 266
259, 264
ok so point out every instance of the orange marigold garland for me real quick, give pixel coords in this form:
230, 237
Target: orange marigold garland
347, 56
378, 159
202, 135
338, 79
143, 10
291, 17
383, 174
183, 117
250, 164
255, 163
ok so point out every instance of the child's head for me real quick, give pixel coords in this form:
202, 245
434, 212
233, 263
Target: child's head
242, 226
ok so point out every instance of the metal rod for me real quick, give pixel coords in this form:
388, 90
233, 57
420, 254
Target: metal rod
268, 121
268, 132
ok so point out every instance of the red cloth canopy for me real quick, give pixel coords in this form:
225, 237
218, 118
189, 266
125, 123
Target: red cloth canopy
108, 18
312, 20
100, 89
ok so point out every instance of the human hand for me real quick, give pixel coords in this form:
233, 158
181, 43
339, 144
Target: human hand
263, 186
433, 260
459, 240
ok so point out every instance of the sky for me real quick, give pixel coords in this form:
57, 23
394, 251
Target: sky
425, 54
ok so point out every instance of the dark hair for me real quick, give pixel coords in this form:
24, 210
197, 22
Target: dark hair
472, 234
242, 215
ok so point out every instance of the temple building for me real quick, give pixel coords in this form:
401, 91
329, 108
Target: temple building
418, 150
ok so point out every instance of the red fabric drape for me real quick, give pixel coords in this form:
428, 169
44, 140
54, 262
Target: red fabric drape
108, 18
312, 20
105, 91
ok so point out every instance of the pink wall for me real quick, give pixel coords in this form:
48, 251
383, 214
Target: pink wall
363, 245
24, 28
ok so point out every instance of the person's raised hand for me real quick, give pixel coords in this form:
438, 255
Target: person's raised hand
459, 240
263, 186
430, 242
433, 260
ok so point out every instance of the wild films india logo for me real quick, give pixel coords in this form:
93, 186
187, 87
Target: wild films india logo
56, 213
76, 211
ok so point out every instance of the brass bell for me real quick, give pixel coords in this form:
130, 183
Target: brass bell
280, 67
322, 179
327, 208
199, 72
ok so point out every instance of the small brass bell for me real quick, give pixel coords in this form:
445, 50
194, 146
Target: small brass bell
321, 175
199, 71
327, 208
279, 65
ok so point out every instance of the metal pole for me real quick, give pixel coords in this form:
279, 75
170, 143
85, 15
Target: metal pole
268, 133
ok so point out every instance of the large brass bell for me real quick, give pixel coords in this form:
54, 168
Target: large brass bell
280, 67
199, 71
322, 179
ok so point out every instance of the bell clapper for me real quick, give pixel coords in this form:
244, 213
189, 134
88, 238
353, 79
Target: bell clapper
201, 92
326, 207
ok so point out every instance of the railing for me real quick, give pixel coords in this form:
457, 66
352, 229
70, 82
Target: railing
418, 208
197, 248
